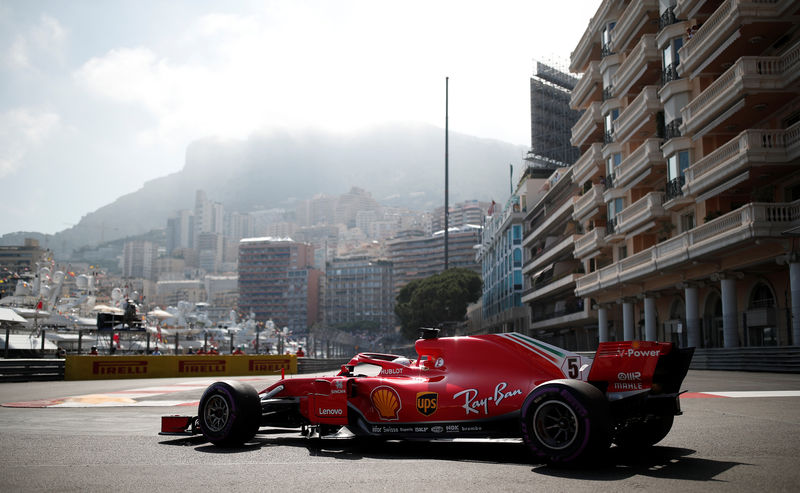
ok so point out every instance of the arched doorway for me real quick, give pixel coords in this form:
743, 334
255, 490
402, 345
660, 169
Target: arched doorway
761, 316
675, 326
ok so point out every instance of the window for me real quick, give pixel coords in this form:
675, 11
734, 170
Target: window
609, 119
606, 38
677, 164
670, 60
612, 163
517, 234
687, 222
623, 252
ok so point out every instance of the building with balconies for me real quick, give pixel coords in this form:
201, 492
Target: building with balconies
690, 171
415, 255
277, 281
500, 256
550, 270
359, 289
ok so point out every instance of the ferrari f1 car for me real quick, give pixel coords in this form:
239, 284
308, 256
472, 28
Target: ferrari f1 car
566, 407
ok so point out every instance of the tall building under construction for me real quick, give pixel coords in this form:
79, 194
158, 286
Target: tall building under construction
552, 118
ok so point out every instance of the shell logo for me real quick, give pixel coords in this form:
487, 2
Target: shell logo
386, 401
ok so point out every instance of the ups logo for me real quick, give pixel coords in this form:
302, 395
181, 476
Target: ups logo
427, 402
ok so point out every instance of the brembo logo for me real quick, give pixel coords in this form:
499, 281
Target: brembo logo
201, 366
268, 364
119, 367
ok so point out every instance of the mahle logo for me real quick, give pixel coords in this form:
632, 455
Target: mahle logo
427, 402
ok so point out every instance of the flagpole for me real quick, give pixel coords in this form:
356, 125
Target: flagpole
446, 167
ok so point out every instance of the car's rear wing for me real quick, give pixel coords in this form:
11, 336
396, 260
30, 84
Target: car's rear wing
635, 366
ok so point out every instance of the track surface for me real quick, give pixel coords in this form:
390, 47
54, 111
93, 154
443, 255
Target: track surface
739, 432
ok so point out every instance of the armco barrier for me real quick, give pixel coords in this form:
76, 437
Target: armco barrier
319, 365
116, 367
29, 370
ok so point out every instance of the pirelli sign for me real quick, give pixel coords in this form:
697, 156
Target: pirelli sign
116, 367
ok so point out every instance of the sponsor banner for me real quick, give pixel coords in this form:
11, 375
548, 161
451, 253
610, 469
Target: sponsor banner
427, 429
115, 367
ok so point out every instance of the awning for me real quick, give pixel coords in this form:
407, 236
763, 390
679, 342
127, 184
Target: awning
26, 342
9, 315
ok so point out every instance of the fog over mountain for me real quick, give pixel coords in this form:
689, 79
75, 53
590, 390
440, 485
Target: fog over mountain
400, 165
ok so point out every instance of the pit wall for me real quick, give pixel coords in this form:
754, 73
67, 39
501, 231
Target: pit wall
117, 367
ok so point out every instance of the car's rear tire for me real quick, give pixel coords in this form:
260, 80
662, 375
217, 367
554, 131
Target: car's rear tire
643, 432
229, 413
565, 421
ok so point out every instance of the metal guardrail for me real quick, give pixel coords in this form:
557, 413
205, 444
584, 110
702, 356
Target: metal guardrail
30, 370
317, 365
781, 359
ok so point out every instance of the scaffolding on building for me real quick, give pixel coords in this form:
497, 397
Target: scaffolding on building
551, 117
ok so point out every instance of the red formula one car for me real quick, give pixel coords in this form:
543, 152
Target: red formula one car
564, 406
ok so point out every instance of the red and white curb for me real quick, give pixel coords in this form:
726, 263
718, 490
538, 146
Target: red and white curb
128, 398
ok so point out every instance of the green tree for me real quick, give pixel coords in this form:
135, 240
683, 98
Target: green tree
436, 299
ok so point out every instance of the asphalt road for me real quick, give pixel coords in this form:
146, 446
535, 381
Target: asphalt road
741, 443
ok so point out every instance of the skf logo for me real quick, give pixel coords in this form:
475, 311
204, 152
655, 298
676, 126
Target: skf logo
268, 364
386, 402
119, 367
209, 366
427, 402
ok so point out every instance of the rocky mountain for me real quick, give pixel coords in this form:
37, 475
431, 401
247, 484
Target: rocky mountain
400, 165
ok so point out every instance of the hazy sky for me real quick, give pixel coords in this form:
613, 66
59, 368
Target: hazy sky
99, 96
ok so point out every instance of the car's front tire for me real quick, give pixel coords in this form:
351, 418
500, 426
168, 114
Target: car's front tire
565, 421
229, 413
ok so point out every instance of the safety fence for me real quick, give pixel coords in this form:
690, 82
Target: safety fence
30, 370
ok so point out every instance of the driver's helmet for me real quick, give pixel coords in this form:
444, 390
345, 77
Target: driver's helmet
402, 360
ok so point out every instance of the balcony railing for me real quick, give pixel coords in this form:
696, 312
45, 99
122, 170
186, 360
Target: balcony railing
586, 166
587, 202
611, 226
544, 222
630, 22
585, 85
675, 187
667, 18
726, 20
643, 210
552, 252
587, 124
752, 221
590, 242
746, 75
755, 146
673, 129
635, 65
669, 73
637, 113
639, 161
